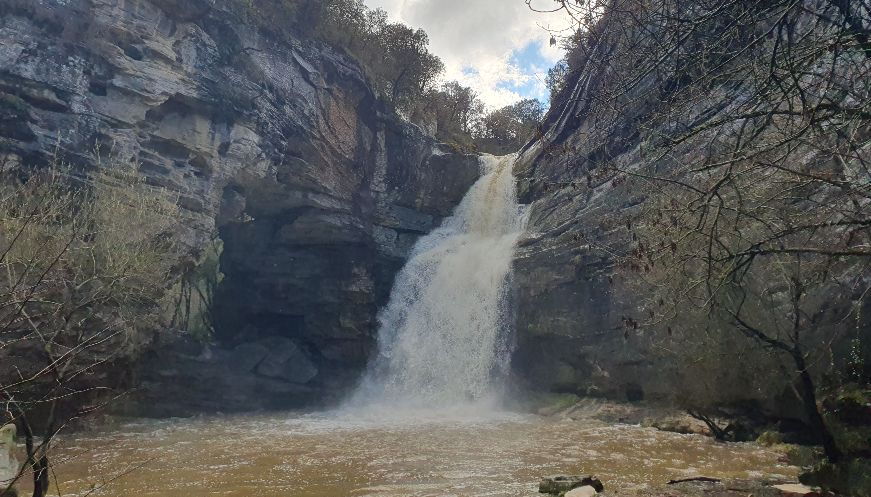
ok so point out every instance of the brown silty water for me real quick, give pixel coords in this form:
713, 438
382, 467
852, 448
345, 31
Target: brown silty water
379, 454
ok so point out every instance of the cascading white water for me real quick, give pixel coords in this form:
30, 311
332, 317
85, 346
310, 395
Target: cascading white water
444, 333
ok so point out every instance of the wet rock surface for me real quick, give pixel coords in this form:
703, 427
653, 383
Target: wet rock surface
9, 465
725, 488
580, 486
797, 490
181, 377
561, 484
584, 307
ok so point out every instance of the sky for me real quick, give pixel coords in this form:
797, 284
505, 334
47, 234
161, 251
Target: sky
500, 48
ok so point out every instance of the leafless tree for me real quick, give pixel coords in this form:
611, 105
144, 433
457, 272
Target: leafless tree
84, 268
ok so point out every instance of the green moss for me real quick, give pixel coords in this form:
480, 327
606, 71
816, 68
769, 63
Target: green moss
564, 401
848, 414
552, 403
852, 439
801, 455
851, 405
769, 438
852, 477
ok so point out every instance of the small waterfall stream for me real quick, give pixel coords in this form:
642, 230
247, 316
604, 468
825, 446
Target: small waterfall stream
444, 335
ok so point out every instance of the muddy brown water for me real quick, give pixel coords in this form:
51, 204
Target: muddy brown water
345, 455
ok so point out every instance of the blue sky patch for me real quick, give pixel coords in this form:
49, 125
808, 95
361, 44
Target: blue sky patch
530, 61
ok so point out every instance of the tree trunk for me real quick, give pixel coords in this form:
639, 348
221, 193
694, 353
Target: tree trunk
809, 400
39, 466
718, 433
40, 477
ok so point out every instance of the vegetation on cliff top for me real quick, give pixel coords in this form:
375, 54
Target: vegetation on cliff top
397, 60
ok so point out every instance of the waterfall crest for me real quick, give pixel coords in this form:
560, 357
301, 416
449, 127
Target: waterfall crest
444, 335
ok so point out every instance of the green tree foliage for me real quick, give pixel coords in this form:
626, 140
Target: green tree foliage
397, 60
452, 113
507, 129
556, 78
413, 70
395, 56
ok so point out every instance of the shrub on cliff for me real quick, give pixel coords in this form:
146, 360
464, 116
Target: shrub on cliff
397, 60
193, 295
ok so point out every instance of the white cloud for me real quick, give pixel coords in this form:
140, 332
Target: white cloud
476, 40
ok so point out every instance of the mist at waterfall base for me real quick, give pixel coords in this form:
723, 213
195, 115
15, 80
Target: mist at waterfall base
444, 336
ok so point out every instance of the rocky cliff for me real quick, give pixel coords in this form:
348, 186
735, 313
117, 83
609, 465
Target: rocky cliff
571, 298
280, 147
640, 109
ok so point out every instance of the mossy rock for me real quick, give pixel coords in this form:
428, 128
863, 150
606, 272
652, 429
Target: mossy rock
852, 477
770, 438
848, 415
851, 406
804, 456
550, 404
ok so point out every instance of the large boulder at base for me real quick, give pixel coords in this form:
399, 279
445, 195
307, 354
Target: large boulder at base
274, 357
558, 484
287, 362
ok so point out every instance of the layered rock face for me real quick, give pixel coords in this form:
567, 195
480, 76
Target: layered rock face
281, 148
577, 309
571, 300
593, 177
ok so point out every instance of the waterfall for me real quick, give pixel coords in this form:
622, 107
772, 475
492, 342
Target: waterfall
444, 335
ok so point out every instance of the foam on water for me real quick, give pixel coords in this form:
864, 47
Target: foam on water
444, 335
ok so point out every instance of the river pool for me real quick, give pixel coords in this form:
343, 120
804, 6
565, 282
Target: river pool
379, 454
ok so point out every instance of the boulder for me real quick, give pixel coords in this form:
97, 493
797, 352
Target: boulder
558, 484
797, 490
8, 463
682, 423
848, 477
246, 357
285, 361
585, 491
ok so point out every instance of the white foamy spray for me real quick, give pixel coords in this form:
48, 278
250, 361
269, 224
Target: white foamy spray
444, 335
